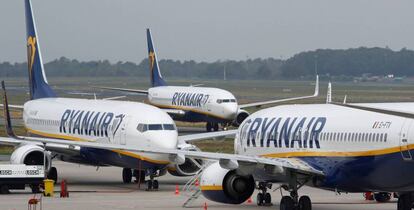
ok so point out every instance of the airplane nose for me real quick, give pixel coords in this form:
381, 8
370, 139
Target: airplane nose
165, 140
230, 111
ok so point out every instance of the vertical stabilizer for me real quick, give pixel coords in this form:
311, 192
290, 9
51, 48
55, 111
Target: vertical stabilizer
156, 77
39, 88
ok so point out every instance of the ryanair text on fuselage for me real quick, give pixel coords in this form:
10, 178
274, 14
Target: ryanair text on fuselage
189, 99
290, 132
89, 123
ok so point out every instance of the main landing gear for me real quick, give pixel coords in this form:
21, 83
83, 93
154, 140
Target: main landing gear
294, 202
151, 184
263, 197
212, 126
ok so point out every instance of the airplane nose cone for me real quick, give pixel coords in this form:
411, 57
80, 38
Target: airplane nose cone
165, 140
230, 110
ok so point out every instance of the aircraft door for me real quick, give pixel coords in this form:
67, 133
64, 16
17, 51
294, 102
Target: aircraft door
405, 139
123, 132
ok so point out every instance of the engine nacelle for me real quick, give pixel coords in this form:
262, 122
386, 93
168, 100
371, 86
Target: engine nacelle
190, 167
30, 154
226, 186
240, 117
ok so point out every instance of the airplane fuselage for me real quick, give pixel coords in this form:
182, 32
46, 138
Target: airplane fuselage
103, 121
200, 104
357, 150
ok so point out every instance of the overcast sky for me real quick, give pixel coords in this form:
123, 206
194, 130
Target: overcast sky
204, 30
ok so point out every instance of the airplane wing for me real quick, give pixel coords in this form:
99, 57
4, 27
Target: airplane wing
229, 161
378, 110
145, 92
14, 106
208, 135
174, 111
258, 104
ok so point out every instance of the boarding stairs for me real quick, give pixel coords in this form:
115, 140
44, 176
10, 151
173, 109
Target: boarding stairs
190, 189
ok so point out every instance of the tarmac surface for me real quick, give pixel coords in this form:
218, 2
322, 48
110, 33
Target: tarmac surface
102, 189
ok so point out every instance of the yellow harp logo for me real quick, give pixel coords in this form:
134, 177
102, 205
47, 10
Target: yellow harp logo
31, 52
151, 58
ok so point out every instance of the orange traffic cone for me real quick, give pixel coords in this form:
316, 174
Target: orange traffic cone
197, 183
205, 205
249, 200
177, 191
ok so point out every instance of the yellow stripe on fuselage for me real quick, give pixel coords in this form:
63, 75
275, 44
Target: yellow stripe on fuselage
211, 187
72, 138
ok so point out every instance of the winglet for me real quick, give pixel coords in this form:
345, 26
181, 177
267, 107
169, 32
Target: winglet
156, 77
329, 94
316, 86
6, 111
344, 99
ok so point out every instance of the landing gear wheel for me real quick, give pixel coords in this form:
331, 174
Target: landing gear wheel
139, 176
126, 175
267, 199
404, 202
216, 126
382, 197
53, 175
149, 185
209, 127
287, 203
4, 189
305, 203
259, 199
155, 185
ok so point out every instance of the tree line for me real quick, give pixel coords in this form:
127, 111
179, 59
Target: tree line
349, 62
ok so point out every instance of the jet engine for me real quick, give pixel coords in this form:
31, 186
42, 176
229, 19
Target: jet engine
240, 117
30, 154
226, 186
190, 167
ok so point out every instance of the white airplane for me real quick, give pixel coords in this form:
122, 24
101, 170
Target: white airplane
196, 104
338, 147
100, 121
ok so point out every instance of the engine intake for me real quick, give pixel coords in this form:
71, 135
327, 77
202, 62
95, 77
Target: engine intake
226, 186
241, 116
30, 155
190, 167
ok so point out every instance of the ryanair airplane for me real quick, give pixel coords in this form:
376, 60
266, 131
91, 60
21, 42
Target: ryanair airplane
134, 124
196, 104
336, 146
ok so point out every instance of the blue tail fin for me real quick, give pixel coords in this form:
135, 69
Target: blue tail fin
156, 77
39, 88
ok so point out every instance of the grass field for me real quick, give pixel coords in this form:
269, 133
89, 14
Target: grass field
245, 91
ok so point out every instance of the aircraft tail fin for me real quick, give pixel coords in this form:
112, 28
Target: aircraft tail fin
156, 77
39, 88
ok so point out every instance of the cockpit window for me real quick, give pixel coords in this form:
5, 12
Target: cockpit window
154, 127
169, 127
142, 127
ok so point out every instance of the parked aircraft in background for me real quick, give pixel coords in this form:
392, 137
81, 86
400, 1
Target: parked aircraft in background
197, 104
137, 125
